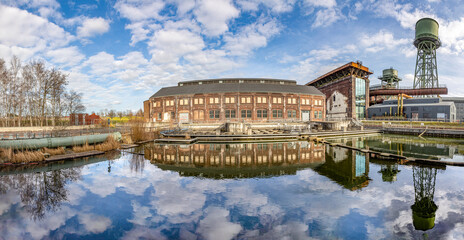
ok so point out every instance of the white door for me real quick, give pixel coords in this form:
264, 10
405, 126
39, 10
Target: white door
305, 116
183, 117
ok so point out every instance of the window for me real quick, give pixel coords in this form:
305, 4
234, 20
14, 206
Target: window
159, 116
261, 99
230, 113
246, 113
277, 113
315, 114
320, 114
213, 114
293, 100
291, 113
183, 101
198, 101
248, 99
243, 100
198, 114
261, 113
230, 99
360, 97
213, 100
173, 115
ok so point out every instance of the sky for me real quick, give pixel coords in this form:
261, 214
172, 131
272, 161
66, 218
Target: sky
120, 52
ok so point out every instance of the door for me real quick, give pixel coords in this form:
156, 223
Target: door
305, 116
183, 117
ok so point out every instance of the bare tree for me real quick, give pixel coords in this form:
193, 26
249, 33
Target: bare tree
74, 103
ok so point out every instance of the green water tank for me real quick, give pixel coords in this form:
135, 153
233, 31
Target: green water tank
426, 29
390, 72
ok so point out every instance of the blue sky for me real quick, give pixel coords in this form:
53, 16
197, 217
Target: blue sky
120, 52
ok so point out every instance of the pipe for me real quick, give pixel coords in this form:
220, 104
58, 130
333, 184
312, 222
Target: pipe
58, 142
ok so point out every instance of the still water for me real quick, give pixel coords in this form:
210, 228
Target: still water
293, 190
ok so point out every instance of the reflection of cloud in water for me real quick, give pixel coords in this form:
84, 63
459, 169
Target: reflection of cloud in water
215, 225
177, 203
94, 223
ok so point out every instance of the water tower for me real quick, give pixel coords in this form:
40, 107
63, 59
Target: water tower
389, 78
427, 43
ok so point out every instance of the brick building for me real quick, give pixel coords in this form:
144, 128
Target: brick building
347, 91
84, 119
235, 100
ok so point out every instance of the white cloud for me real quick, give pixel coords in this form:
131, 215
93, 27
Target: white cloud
452, 37
216, 226
92, 27
277, 6
251, 37
382, 40
326, 17
214, 15
25, 34
169, 45
68, 56
318, 3
136, 10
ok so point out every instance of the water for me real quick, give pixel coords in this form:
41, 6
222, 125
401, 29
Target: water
295, 190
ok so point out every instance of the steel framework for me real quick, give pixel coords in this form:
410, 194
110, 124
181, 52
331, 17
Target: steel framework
426, 75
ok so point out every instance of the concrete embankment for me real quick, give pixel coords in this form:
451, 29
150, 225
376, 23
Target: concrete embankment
181, 138
453, 133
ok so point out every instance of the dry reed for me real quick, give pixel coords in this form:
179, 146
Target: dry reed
54, 151
8, 155
109, 144
137, 131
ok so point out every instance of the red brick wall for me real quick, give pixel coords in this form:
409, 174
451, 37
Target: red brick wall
159, 106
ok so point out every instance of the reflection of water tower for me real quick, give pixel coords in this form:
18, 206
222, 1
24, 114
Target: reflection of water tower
389, 172
424, 208
426, 42
390, 79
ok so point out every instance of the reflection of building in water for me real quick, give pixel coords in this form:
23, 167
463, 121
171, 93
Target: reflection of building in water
424, 208
348, 168
408, 146
236, 160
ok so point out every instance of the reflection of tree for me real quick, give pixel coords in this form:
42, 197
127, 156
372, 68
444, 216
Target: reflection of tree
424, 208
42, 191
137, 163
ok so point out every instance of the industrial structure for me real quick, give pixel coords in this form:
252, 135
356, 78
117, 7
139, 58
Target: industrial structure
415, 109
347, 91
427, 43
235, 100
459, 104
389, 79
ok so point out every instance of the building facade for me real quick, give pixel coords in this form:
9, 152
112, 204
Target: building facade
84, 119
236, 100
347, 91
459, 104
416, 109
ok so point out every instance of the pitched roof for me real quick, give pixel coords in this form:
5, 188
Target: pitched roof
236, 87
